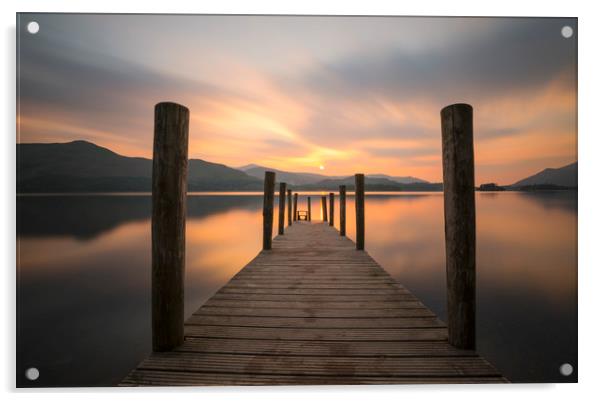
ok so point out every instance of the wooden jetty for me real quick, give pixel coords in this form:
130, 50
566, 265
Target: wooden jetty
312, 307
313, 310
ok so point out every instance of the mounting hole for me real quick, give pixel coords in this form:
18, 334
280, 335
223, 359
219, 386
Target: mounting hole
33, 27
566, 369
32, 374
566, 31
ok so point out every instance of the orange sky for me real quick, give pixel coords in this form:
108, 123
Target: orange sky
293, 93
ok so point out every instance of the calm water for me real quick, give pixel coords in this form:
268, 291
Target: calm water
84, 274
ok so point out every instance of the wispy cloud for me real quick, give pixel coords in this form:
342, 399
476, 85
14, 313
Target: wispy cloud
295, 93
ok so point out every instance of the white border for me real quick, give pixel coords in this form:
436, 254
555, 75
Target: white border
590, 147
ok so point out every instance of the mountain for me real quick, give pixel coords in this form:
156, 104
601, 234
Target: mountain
291, 178
372, 184
302, 179
82, 166
402, 180
562, 177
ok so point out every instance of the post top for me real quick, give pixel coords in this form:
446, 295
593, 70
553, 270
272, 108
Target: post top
171, 105
461, 106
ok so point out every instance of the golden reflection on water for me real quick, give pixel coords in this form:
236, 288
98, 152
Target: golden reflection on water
520, 242
82, 254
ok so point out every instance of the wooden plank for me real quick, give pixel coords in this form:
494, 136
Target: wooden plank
324, 366
336, 286
326, 348
313, 323
306, 291
315, 298
363, 334
315, 313
144, 377
308, 305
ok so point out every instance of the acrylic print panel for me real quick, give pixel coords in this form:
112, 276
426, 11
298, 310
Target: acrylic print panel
266, 200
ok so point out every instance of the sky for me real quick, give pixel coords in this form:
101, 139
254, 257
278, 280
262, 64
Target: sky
351, 94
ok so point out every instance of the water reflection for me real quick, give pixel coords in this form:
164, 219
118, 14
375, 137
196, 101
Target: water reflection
84, 278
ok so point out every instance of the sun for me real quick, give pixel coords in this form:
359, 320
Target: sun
321, 167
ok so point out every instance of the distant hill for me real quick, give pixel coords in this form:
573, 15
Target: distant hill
82, 166
302, 179
551, 177
292, 178
402, 180
372, 184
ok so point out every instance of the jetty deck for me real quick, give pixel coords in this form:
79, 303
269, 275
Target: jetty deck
313, 310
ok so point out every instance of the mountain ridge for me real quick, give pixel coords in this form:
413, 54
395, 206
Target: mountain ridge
565, 176
304, 178
81, 166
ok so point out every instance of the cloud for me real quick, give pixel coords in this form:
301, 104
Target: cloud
520, 53
354, 93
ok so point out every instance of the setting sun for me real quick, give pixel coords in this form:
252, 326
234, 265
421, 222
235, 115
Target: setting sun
321, 167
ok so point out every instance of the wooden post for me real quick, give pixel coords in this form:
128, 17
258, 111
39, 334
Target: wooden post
343, 209
289, 206
268, 208
359, 212
309, 208
324, 211
295, 207
281, 206
331, 211
459, 210
170, 172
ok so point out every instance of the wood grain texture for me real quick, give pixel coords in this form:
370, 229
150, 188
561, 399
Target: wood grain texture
331, 209
281, 207
342, 210
268, 208
460, 232
170, 171
289, 207
360, 224
313, 310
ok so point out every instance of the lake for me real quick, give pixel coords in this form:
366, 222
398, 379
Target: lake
83, 278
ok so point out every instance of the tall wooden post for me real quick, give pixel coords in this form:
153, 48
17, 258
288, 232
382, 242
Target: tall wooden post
289, 206
359, 212
295, 206
268, 208
281, 206
324, 211
170, 172
309, 208
460, 237
343, 209
331, 211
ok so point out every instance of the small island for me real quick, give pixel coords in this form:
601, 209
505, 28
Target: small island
490, 187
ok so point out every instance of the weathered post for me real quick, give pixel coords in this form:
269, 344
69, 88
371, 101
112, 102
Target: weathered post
295, 207
331, 211
281, 206
170, 171
459, 211
309, 208
342, 209
359, 212
324, 211
289, 206
268, 208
